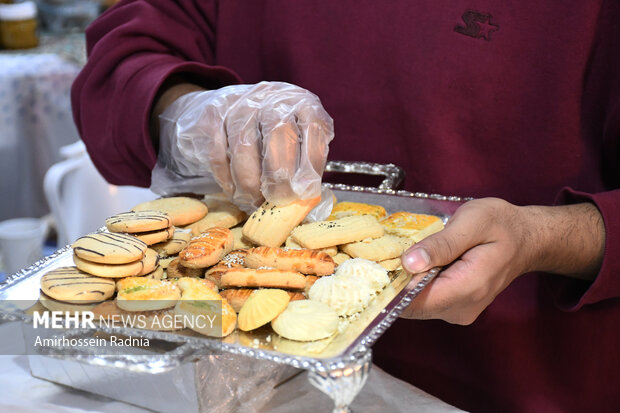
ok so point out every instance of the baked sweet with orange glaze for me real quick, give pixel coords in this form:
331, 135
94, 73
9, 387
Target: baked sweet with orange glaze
234, 259
263, 277
207, 249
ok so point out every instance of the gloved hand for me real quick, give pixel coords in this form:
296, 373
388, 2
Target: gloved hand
264, 141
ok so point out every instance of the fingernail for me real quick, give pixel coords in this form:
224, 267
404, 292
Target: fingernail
416, 260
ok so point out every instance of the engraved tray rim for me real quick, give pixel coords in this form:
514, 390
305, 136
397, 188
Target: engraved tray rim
194, 347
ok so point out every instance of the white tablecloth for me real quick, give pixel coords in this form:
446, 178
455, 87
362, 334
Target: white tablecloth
35, 121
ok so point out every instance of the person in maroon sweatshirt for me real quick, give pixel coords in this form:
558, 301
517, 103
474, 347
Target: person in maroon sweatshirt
514, 103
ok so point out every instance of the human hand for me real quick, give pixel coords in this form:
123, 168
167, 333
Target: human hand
489, 242
264, 141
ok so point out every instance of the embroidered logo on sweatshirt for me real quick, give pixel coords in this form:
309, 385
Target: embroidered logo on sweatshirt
477, 25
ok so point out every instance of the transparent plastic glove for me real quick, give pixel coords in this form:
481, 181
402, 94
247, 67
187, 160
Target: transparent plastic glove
324, 208
264, 141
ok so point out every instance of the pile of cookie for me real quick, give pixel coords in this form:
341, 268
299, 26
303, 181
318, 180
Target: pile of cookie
164, 255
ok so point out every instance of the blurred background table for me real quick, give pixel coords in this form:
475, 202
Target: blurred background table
35, 118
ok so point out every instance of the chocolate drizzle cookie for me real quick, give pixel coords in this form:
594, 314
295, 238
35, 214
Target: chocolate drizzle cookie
109, 248
140, 267
69, 284
138, 221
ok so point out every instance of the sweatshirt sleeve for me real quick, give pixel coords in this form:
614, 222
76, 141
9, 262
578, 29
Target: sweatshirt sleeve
572, 294
132, 49
601, 123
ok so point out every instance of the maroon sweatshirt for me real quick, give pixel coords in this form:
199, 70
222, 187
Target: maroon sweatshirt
518, 100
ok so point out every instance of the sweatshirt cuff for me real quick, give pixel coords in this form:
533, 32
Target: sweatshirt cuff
209, 77
572, 294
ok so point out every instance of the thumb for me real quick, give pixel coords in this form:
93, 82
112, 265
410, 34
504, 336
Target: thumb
441, 248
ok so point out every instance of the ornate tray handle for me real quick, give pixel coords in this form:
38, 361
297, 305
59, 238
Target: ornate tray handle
394, 175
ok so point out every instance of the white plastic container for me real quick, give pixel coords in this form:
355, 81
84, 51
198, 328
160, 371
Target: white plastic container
21, 242
79, 197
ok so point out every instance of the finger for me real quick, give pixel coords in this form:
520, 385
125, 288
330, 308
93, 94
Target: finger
460, 292
244, 151
464, 231
209, 118
189, 153
437, 296
217, 148
281, 152
316, 131
220, 164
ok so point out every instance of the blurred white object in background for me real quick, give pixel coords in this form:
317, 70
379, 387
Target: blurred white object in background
35, 122
66, 16
21, 242
79, 197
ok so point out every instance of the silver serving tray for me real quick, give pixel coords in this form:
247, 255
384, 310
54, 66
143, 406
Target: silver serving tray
349, 346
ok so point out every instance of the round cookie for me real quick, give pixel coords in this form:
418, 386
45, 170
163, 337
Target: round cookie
137, 268
109, 248
55, 305
174, 245
138, 221
182, 210
154, 237
151, 262
69, 284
